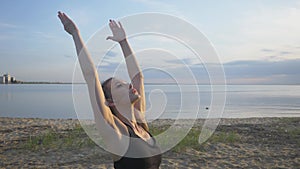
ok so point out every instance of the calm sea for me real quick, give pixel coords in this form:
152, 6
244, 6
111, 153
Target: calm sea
163, 101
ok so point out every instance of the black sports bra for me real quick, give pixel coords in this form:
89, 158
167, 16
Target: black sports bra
140, 154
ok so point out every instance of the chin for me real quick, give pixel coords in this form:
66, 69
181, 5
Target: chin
135, 98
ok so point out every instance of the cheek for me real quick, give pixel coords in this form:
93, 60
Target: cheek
119, 94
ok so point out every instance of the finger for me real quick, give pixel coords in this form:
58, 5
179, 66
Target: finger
59, 15
121, 26
114, 23
62, 17
111, 25
111, 22
66, 16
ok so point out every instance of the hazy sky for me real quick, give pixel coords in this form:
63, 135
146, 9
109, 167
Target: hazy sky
257, 41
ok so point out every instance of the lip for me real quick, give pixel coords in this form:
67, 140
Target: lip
134, 91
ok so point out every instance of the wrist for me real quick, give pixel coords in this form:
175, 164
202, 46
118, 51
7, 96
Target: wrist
123, 41
75, 33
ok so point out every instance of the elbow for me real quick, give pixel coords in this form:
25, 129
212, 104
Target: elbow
138, 78
140, 75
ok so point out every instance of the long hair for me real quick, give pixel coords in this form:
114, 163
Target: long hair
108, 95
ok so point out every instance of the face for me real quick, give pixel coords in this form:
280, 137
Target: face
122, 92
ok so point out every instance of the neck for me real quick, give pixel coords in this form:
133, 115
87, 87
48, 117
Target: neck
125, 114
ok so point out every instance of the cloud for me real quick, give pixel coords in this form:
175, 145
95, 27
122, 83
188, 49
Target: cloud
8, 31
285, 53
263, 72
44, 35
273, 24
240, 72
236, 72
69, 56
7, 25
275, 54
267, 50
269, 29
182, 61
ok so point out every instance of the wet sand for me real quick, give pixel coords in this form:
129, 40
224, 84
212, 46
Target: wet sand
262, 143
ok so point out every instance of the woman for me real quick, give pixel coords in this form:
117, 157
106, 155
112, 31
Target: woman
118, 106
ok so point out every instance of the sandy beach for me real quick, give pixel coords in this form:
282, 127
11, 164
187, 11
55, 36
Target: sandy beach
236, 143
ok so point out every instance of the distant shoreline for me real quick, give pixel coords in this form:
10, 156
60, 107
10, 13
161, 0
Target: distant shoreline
21, 82
42, 83
50, 83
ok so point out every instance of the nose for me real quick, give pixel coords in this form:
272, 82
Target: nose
130, 86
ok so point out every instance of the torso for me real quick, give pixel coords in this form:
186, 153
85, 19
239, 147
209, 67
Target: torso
143, 134
143, 151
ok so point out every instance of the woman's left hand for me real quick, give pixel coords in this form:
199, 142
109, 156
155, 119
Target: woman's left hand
117, 31
69, 25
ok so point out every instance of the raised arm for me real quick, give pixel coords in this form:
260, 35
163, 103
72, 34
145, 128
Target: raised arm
85, 61
133, 68
94, 87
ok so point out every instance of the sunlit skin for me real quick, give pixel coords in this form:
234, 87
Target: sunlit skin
120, 89
128, 99
124, 96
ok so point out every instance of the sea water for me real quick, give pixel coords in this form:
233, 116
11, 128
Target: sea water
162, 100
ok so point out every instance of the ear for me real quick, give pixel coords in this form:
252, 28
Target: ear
109, 103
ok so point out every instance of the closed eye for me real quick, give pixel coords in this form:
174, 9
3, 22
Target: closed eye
119, 85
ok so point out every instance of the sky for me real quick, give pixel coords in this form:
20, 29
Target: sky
257, 42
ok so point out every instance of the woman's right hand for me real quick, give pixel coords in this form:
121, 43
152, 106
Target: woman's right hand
69, 25
117, 31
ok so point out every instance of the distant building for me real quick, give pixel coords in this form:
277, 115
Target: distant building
2, 80
12, 79
6, 78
